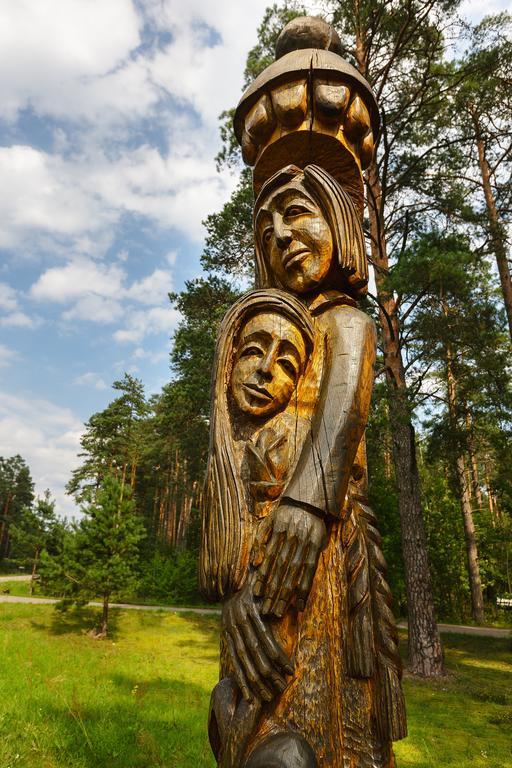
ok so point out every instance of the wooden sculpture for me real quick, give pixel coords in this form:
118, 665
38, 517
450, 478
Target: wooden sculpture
310, 671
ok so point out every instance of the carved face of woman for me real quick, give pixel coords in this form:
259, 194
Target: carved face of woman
270, 358
296, 238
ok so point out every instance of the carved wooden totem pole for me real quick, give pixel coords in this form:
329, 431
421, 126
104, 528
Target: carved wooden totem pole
310, 671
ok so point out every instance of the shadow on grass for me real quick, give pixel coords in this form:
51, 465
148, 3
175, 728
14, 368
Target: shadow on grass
77, 619
163, 726
206, 628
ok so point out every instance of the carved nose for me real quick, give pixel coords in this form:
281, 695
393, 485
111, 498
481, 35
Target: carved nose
284, 238
265, 367
281, 233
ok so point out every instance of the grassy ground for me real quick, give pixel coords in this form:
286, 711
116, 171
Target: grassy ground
18, 588
140, 699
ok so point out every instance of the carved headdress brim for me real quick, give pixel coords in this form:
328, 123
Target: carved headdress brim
309, 106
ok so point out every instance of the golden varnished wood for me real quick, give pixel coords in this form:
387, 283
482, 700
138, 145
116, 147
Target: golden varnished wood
310, 670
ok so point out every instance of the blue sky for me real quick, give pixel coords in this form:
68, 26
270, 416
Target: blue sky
108, 133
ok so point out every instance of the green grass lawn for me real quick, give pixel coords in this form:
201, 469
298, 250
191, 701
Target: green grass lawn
18, 588
140, 699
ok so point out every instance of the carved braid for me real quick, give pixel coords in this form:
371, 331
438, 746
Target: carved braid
359, 646
390, 703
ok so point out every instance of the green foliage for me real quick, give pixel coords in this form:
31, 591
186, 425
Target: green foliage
383, 494
16, 493
112, 441
99, 554
37, 530
446, 548
202, 304
229, 246
170, 578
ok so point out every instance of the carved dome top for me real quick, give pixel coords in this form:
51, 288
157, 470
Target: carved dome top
308, 32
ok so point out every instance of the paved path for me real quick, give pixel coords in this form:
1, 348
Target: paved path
167, 608
448, 628
460, 629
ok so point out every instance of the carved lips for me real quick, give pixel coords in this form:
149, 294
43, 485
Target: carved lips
259, 392
295, 257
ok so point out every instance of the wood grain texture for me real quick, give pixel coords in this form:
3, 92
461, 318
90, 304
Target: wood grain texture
309, 665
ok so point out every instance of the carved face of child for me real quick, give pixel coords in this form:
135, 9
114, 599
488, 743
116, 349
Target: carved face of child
296, 238
270, 358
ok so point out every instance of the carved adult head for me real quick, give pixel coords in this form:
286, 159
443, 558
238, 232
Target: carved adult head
308, 235
269, 360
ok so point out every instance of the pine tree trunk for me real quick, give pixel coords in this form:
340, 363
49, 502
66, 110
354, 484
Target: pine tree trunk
497, 232
4, 529
477, 601
34, 571
425, 649
473, 464
104, 617
475, 583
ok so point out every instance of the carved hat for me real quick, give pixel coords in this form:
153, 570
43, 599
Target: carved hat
309, 106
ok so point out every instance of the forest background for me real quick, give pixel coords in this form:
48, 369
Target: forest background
439, 437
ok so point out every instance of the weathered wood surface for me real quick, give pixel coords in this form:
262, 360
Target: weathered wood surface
310, 671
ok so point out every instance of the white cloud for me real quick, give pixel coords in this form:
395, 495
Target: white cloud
8, 298
40, 192
151, 289
154, 357
82, 64
94, 309
52, 52
102, 293
145, 323
82, 58
48, 438
10, 311
90, 379
476, 9
19, 320
77, 279
79, 201
7, 356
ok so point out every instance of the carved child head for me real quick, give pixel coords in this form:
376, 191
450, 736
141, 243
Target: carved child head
308, 234
263, 347
270, 357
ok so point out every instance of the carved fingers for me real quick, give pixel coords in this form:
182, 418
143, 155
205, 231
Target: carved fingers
259, 664
289, 565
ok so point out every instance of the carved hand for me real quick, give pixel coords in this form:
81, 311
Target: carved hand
259, 664
289, 563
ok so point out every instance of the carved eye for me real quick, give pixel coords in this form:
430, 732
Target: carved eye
288, 366
295, 210
252, 351
267, 235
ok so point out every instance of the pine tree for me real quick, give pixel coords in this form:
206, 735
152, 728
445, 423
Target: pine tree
99, 556
458, 349
483, 106
112, 440
16, 493
35, 531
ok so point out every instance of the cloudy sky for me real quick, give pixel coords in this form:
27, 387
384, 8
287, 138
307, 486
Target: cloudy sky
108, 130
